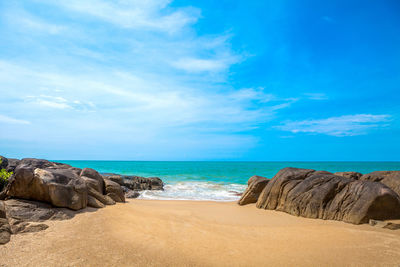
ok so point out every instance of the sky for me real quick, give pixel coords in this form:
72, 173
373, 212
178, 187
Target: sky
269, 80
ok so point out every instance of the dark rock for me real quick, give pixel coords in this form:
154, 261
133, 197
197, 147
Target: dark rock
60, 187
390, 178
34, 211
106, 200
114, 191
317, 194
18, 227
5, 229
352, 175
117, 179
3, 162
94, 202
93, 179
255, 185
136, 182
132, 194
12, 164
25, 216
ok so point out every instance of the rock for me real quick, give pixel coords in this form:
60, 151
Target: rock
60, 187
114, 191
5, 229
132, 194
137, 182
12, 164
18, 227
94, 202
255, 178
3, 162
253, 191
383, 224
93, 179
318, 194
106, 200
390, 178
26, 216
33, 211
117, 179
352, 175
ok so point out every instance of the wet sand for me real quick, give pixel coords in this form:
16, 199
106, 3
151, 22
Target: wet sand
197, 233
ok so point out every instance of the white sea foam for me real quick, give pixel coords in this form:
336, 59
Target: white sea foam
196, 191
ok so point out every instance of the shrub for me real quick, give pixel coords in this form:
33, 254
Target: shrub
4, 176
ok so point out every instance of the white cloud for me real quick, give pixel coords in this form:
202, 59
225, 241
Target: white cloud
9, 120
58, 102
348, 125
316, 96
200, 65
27, 22
135, 14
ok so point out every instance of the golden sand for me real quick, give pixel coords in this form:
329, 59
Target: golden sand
197, 233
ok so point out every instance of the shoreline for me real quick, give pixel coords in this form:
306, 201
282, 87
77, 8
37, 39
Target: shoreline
199, 233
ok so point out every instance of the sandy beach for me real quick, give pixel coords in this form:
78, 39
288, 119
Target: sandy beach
197, 233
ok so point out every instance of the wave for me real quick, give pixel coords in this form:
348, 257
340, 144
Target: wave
207, 191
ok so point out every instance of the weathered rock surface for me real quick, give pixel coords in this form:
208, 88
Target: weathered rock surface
61, 187
94, 202
390, 178
137, 182
5, 229
12, 164
318, 194
27, 216
132, 194
34, 211
114, 191
3, 162
104, 199
255, 185
93, 179
352, 175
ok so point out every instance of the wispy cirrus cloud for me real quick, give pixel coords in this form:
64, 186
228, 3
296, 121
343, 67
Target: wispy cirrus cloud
10, 120
134, 14
347, 125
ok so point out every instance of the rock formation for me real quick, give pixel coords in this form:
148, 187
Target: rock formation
389, 178
255, 185
61, 187
41, 190
319, 194
352, 175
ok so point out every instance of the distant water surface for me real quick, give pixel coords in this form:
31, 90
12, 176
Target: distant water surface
219, 181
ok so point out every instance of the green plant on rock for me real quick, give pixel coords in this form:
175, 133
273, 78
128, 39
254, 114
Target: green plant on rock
4, 176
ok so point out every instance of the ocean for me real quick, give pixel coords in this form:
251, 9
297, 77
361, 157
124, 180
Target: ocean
214, 181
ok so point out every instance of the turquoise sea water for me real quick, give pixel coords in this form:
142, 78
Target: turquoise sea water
215, 180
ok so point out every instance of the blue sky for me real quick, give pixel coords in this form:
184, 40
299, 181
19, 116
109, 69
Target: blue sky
200, 80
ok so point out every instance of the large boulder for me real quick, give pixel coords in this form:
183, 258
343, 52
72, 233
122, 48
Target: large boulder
93, 179
390, 178
255, 185
352, 175
318, 194
61, 187
114, 191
